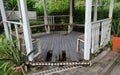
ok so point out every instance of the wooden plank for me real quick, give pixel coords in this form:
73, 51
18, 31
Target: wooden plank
74, 47
58, 42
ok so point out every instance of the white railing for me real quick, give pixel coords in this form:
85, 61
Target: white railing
15, 30
100, 34
105, 32
14, 25
95, 36
51, 20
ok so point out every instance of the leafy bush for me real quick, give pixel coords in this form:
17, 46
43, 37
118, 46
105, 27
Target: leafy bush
6, 68
10, 4
52, 5
116, 27
12, 57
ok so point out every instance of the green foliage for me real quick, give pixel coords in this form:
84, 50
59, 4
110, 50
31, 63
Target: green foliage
118, 61
52, 5
10, 4
31, 5
10, 52
116, 28
109, 44
6, 68
11, 56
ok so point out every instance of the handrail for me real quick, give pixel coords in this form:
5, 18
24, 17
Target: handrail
101, 20
55, 16
18, 23
34, 26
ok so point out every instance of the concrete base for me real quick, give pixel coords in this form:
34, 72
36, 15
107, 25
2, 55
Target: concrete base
100, 67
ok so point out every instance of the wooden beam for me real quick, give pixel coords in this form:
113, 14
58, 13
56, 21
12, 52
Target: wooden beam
4, 19
87, 44
95, 10
111, 8
26, 28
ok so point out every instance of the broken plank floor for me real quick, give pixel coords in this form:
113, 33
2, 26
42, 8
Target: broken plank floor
58, 42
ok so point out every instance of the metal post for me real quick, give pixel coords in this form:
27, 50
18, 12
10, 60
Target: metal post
4, 19
26, 28
87, 44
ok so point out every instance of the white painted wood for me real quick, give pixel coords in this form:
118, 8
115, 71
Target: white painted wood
77, 45
105, 32
20, 16
4, 18
53, 19
50, 19
26, 28
12, 22
87, 44
10, 31
95, 37
18, 40
110, 16
46, 18
111, 8
71, 17
95, 10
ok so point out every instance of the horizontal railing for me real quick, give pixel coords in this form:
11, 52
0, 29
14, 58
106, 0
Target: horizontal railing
16, 29
11, 22
14, 26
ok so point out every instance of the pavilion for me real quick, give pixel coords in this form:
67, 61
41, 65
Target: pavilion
97, 32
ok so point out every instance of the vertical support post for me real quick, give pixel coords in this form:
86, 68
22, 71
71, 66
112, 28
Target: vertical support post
4, 19
16, 30
20, 16
26, 29
71, 16
110, 15
111, 8
87, 44
95, 10
46, 18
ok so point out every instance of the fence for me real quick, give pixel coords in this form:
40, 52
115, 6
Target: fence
100, 34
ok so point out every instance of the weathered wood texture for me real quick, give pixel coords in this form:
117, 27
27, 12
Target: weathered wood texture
58, 42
